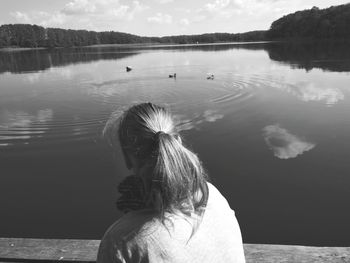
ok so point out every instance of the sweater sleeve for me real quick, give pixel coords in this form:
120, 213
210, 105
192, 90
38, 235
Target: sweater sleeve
121, 252
107, 252
125, 241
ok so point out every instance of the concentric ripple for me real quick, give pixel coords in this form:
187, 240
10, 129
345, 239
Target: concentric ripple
43, 128
193, 99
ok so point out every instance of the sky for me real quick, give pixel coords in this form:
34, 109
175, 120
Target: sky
155, 17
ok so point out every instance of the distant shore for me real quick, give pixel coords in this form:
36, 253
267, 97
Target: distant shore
14, 49
135, 45
178, 45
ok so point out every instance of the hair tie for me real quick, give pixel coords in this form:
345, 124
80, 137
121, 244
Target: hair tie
157, 135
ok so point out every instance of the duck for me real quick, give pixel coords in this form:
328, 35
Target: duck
128, 68
210, 76
172, 75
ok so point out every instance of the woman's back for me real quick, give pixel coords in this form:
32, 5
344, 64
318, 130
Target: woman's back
172, 213
140, 237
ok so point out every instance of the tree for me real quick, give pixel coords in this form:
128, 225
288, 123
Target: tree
315, 23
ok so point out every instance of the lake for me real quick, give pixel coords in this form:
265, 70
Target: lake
272, 129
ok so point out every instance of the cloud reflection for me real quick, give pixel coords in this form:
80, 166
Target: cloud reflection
284, 144
206, 116
18, 125
211, 116
307, 91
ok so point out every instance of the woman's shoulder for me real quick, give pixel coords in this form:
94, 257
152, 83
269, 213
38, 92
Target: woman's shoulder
137, 222
216, 199
124, 235
130, 224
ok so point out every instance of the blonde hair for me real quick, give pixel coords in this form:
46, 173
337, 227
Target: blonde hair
174, 174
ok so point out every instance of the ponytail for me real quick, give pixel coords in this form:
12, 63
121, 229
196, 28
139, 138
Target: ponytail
174, 177
178, 176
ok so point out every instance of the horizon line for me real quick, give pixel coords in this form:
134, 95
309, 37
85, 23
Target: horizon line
197, 34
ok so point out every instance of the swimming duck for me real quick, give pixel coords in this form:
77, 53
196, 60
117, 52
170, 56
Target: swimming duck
128, 68
210, 76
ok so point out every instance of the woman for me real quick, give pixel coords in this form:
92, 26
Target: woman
172, 214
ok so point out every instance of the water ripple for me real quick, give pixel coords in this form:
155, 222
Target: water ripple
24, 128
193, 98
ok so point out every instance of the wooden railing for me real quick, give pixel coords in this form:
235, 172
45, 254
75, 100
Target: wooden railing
67, 250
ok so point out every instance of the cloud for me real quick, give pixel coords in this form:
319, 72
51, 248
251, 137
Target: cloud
103, 9
40, 18
86, 14
255, 12
203, 16
21, 17
121, 12
107, 10
77, 7
199, 18
184, 22
160, 18
51, 20
219, 9
284, 144
164, 1
218, 5
125, 12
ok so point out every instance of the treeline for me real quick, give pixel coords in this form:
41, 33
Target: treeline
24, 35
212, 38
315, 23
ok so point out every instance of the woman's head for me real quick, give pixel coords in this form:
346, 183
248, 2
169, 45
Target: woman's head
152, 147
140, 127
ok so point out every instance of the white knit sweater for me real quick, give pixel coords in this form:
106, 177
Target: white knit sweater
139, 237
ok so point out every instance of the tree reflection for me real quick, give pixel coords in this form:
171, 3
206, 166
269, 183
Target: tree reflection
329, 56
38, 60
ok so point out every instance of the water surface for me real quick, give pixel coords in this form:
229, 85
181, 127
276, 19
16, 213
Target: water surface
272, 129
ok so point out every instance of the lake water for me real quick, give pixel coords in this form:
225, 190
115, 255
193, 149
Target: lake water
272, 129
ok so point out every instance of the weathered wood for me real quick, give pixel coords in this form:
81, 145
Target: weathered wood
27, 250
299, 254
48, 249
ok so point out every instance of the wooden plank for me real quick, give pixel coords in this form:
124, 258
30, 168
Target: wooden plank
301, 254
27, 250
48, 249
